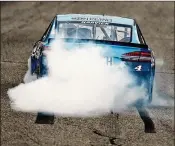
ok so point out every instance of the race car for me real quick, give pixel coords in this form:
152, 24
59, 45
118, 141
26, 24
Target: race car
121, 35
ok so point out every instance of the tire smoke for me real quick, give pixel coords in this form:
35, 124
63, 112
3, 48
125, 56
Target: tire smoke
79, 83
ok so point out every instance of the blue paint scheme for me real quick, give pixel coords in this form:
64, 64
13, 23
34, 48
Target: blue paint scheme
146, 75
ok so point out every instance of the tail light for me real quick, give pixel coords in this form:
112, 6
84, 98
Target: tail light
137, 56
46, 48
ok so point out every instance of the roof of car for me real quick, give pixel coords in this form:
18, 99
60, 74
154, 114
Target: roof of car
91, 17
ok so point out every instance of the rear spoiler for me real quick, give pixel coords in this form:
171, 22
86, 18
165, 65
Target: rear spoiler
144, 46
121, 43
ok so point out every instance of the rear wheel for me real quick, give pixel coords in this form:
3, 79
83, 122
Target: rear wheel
45, 118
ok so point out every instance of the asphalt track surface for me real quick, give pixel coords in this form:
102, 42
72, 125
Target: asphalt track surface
23, 23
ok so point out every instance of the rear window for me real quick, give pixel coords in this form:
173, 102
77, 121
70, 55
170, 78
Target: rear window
110, 32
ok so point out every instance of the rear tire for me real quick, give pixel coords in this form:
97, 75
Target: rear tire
43, 118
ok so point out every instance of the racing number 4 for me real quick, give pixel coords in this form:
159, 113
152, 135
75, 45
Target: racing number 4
138, 68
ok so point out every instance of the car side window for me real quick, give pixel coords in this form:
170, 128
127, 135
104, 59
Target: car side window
140, 36
47, 31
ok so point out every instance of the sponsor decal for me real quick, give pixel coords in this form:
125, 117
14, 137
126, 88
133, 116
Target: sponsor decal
93, 20
138, 68
109, 60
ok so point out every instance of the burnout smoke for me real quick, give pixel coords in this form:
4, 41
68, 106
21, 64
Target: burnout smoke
79, 83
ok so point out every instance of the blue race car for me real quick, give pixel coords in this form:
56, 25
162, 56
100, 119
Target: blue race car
122, 36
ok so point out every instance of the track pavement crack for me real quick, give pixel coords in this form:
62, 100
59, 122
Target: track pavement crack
111, 138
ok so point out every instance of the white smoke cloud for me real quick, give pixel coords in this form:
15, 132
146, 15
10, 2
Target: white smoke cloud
160, 99
79, 83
